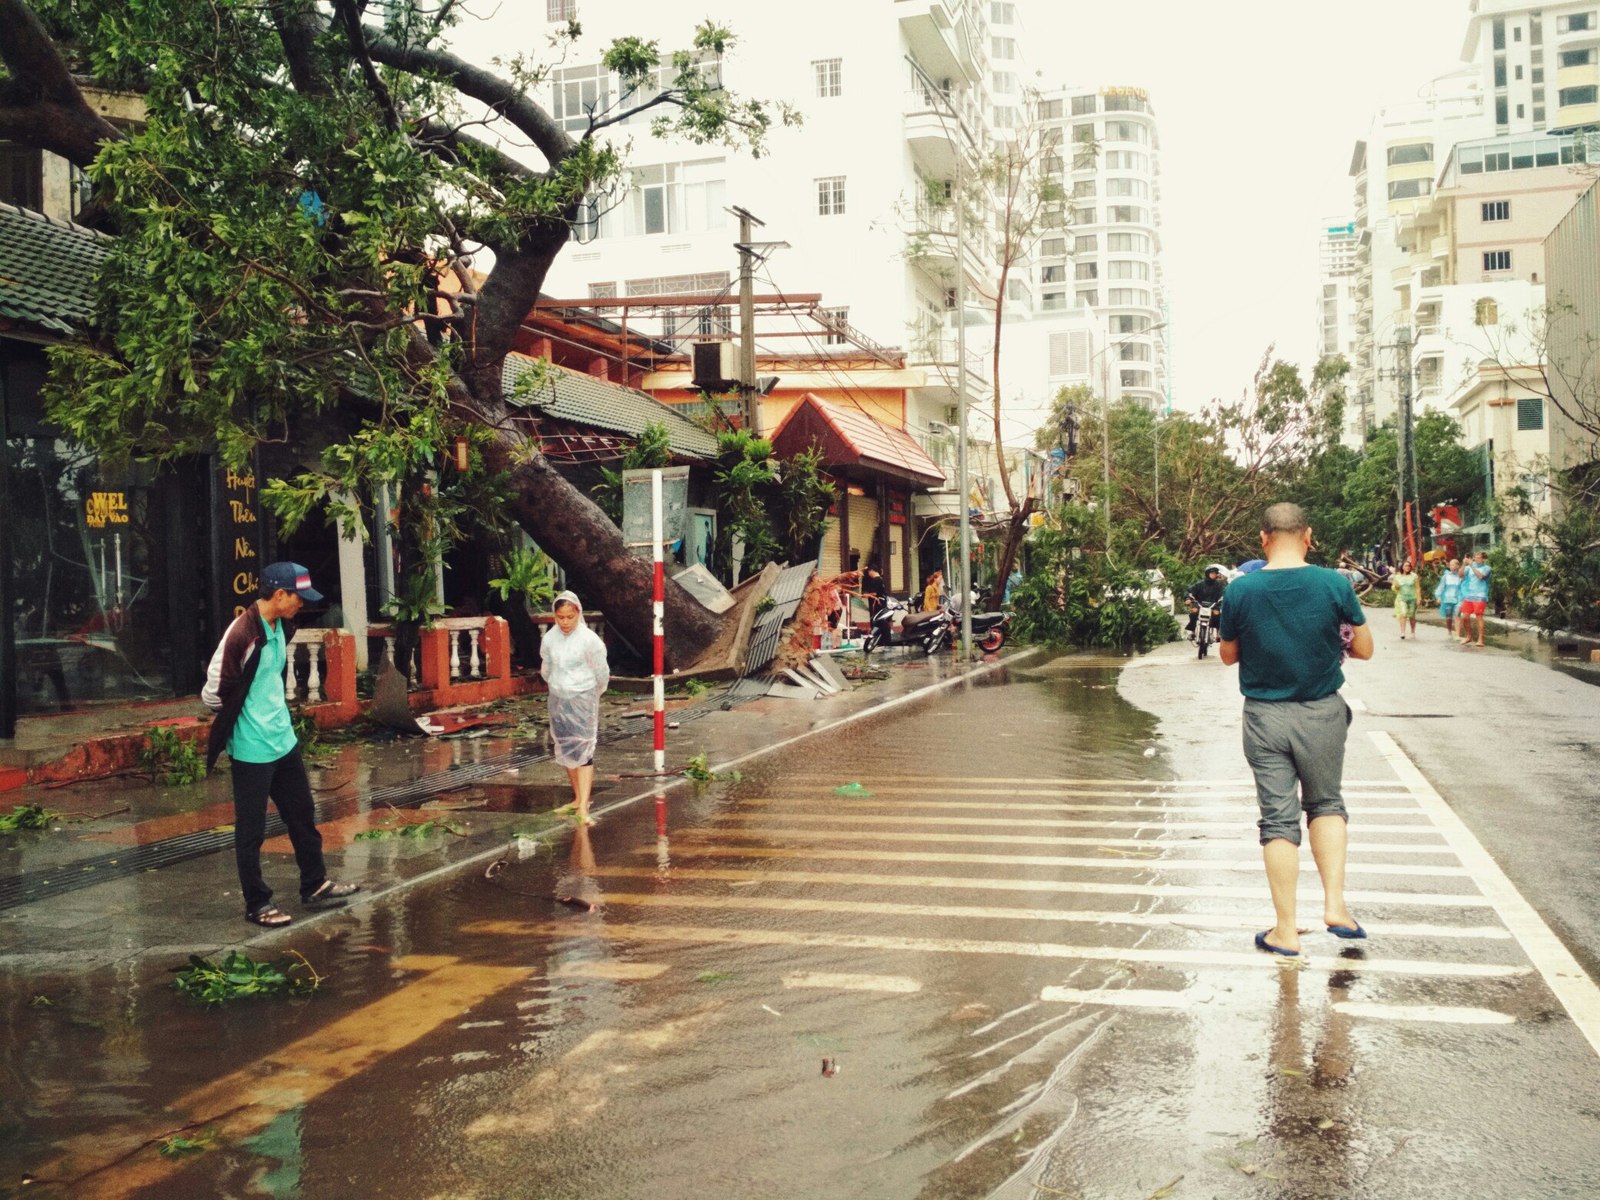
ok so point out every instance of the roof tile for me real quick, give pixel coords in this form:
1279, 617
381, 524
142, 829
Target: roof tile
47, 270
585, 400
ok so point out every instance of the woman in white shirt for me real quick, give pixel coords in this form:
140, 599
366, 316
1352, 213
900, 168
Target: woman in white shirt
572, 659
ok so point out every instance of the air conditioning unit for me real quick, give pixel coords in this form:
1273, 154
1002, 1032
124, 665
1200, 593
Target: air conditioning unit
716, 366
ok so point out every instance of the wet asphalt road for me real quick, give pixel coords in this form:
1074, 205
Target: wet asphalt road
1019, 967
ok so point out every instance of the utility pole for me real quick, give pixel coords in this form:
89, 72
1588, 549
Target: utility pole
962, 481
1405, 449
747, 321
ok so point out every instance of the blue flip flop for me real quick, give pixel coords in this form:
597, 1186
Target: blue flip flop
1348, 932
1263, 944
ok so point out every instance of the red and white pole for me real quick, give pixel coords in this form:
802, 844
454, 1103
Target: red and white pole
658, 606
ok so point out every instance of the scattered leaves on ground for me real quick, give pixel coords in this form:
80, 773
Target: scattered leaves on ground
851, 789
416, 831
699, 769
27, 816
715, 977
178, 1145
240, 977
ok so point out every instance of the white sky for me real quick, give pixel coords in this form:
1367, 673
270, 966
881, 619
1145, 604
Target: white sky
1259, 104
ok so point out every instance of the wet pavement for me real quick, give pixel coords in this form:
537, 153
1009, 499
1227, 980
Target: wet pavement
1014, 962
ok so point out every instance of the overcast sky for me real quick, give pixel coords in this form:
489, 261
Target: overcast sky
1259, 104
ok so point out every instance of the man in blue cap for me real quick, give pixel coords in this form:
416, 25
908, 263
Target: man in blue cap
244, 685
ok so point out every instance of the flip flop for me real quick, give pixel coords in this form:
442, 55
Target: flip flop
269, 916
1347, 931
1263, 944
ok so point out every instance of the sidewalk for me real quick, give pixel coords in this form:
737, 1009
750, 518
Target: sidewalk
132, 871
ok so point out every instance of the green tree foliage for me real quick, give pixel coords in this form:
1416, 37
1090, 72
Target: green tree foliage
653, 449
330, 228
777, 508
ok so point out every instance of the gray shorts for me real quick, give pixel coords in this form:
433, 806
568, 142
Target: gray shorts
1296, 750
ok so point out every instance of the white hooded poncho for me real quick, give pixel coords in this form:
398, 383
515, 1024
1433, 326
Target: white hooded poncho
575, 668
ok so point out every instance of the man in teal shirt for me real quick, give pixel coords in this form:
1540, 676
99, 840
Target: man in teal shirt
244, 684
1281, 625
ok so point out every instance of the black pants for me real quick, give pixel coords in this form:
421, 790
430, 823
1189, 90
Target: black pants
285, 782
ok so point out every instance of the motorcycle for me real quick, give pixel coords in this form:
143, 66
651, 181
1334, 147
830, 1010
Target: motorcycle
894, 624
990, 630
1205, 628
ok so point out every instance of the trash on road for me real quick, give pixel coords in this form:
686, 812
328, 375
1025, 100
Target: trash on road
830, 1067
240, 977
851, 789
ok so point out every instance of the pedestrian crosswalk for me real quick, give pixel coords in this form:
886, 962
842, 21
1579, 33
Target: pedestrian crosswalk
1161, 877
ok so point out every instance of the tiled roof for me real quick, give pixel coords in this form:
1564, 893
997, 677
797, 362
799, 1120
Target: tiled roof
861, 441
585, 400
47, 270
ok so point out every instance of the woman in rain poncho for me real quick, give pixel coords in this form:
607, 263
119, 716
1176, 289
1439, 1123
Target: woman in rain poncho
572, 659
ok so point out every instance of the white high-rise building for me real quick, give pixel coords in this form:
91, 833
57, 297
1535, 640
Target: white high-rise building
862, 193
1338, 258
1539, 63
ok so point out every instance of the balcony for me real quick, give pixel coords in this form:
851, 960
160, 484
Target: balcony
1439, 247
935, 246
934, 127
938, 37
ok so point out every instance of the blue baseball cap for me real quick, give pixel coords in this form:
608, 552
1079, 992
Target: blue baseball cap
290, 577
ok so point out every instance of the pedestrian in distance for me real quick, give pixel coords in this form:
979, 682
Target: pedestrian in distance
1474, 595
933, 593
572, 659
1448, 593
1404, 582
245, 687
1207, 591
1281, 626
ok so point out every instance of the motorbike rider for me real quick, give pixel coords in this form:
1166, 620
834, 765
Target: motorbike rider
1206, 592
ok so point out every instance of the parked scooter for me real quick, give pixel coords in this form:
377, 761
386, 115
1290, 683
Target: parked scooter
895, 624
990, 630
1205, 628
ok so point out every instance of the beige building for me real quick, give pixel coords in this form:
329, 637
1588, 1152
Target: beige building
1572, 331
1502, 412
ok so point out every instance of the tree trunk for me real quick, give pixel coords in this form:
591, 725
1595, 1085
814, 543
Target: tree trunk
576, 534
1016, 530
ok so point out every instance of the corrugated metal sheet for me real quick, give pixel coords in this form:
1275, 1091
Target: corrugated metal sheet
787, 592
600, 404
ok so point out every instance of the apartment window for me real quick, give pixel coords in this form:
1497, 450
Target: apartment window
714, 322
1502, 111
1538, 116
1126, 131
1127, 160
1497, 210
1083, 134
1499, 34
1003, 81
950, 299
1530, 412
1086, 243
1401, 155
1084, 216
1049, 110
578, 92
1124, 296
1577, 95
1053, 247
1537, 76
1086, 270
561, 10
1126, 104
1517, 71
1126, 324
1519, 112
1136, 188
1082, 106
1089, 299
1575, 22
1486, 312
603, 291
839, 317
1135, 352
1053, 301
1535, 30
1497, 260
676, 198
1125, 214
1002, 13
1123, 268
1499, 72
829, 74
1006, 117
1083, 188
1003, 48
1406, 189
1139, 243
1135, 379
830, 196
1053, 274
1578, 58
1516, 33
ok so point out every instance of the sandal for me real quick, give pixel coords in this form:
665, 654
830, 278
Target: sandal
269, 916
329, 890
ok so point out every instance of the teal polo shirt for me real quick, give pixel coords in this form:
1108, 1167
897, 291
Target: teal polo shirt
1287, 625
264, 732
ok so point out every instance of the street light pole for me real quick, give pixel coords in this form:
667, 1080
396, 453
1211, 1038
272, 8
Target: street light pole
962, 483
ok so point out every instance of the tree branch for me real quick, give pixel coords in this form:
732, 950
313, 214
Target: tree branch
41, 105
350, 14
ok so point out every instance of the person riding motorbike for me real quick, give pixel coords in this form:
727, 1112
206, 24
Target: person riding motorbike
1207, 592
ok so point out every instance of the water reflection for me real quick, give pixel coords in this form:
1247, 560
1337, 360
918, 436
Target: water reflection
1311, 1120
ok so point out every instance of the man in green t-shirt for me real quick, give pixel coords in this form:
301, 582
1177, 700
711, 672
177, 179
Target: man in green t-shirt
1282, 625
244, 684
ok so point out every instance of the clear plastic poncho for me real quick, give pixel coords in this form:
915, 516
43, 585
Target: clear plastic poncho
575, 668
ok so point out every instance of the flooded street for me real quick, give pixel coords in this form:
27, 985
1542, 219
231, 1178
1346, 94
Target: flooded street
996, 943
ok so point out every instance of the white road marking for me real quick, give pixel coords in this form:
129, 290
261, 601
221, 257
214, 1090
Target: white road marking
852, 983
1221, 829
1033, 860
1578, 993
1124, 859
1424, 1012
1247, 783
1003, 1018
836, 803
841, 879
1152, 920
1116, 997
603, 969
1251, 959
1194, 795
1355, 702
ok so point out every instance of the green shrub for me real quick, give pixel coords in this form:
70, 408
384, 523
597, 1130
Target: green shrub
177, 761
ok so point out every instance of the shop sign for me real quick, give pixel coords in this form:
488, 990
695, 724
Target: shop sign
105, 508
239, 525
